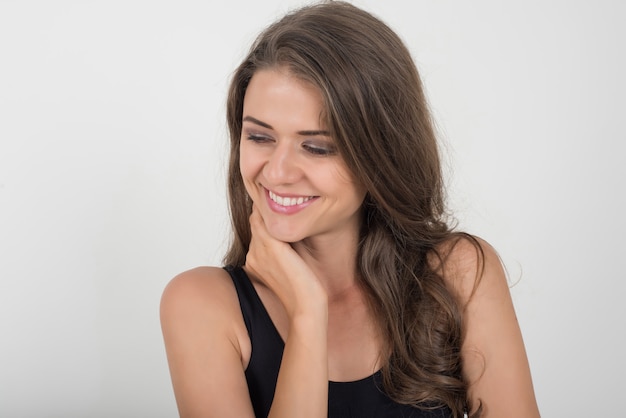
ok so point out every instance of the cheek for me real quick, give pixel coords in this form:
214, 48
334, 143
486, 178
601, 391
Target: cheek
358, 196
249, 169
346, 183
246, 162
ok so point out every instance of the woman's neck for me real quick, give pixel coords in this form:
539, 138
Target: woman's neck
333, 259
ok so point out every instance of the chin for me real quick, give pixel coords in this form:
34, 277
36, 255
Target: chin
286, 236
285, 231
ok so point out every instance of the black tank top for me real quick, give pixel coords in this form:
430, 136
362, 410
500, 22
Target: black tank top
359, 399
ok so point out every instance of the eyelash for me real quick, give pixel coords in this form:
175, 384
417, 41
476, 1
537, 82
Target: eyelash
317, 151
258, 138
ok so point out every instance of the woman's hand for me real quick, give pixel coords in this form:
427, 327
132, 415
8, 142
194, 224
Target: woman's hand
280, 268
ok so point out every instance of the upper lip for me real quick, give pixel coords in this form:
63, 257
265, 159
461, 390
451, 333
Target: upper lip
288, 194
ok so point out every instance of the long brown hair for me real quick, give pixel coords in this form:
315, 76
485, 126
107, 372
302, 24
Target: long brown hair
377, 113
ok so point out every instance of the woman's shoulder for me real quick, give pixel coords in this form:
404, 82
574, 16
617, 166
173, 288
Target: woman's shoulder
208, 279
468, 263
202, 286
203, 297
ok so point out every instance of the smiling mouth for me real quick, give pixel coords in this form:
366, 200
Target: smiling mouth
288, 201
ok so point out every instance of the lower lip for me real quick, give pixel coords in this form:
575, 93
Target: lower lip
287, 210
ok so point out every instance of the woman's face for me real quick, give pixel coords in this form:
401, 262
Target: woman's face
289, 163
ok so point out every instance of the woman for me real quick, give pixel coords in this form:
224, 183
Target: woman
345, 293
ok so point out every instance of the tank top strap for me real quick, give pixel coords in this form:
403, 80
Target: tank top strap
267, 344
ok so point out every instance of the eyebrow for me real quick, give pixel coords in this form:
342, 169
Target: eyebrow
268, 126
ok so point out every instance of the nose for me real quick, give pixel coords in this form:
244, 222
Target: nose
282, 166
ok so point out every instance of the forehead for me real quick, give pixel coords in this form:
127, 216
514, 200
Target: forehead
276, 95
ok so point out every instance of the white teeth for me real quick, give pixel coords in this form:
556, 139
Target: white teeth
288, 201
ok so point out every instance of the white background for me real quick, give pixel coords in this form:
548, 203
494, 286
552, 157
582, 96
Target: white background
112, 157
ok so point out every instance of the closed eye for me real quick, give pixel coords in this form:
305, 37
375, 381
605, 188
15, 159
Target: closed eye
317, 150
258, 138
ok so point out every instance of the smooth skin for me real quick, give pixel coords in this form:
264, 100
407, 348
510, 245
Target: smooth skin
299, 264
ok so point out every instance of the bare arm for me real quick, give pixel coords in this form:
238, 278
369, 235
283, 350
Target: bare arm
203, 330
494, 358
